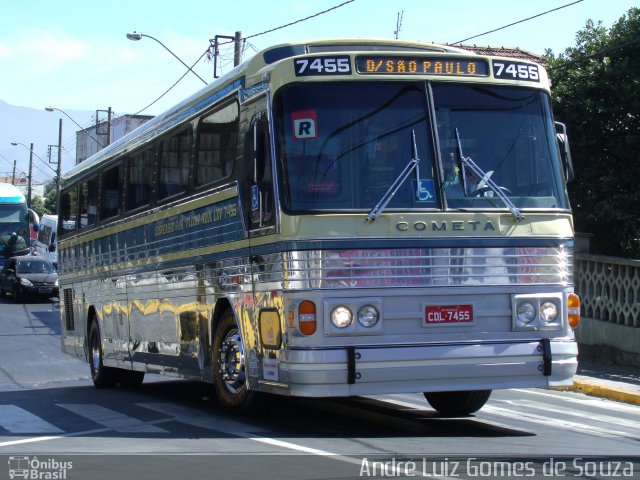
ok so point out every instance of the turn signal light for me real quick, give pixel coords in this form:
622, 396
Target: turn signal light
307, 317
573, 304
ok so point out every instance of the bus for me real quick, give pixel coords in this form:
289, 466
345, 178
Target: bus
16, 220
329, 219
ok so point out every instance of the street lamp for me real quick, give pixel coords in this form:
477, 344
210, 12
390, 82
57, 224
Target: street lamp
135, 36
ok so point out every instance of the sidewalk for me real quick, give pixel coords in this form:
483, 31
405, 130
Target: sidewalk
608, 381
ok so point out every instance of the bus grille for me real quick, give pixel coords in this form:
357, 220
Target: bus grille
68, 309
420, 267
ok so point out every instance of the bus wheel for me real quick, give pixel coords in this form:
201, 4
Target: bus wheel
103, 377
130, 378
458, 403
229, 377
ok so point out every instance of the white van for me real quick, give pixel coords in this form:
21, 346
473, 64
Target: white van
47, 243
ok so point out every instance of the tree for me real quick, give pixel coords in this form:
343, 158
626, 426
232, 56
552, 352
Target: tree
596, 91
38, 206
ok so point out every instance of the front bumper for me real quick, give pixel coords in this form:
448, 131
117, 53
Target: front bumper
372, 370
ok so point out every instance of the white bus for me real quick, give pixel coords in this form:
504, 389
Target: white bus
331, 218
47, 242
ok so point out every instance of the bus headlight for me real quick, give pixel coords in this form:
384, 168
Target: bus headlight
368, 316
537, 311
341, 317
526, 312
548, 312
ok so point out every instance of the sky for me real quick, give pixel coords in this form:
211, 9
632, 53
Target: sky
74, 55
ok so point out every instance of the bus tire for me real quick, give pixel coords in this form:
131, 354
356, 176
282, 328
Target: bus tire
229, 376
458, 403
103, 377
130, 379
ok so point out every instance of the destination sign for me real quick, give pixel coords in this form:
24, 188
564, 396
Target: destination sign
395, 65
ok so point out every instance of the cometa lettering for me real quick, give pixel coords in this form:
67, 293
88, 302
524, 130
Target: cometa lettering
447, 226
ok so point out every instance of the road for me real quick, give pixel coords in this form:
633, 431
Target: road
50, 412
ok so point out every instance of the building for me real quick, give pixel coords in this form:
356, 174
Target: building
105, 133
516, 53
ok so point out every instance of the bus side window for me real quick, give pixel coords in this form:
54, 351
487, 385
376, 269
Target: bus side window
261, 204
139, 181
110, 200
217, 135
175, 155
68, 210
89, 202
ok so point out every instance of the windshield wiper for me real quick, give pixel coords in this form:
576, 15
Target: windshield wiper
397, 183
486, 178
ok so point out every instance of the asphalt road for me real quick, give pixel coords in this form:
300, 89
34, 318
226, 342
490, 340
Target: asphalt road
54, 424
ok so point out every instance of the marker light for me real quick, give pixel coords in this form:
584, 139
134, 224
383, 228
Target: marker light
341, 317
573, 304
307, 317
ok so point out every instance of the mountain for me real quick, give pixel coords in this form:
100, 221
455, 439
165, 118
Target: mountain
29, 125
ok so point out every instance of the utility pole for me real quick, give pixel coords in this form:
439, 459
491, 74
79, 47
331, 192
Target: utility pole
398, 23
13, 177
59, 167
237, 50
108, 132
30, 175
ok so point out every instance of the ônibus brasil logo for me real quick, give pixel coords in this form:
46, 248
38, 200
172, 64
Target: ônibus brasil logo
38, 469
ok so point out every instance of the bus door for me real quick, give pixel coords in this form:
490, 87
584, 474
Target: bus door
261, 202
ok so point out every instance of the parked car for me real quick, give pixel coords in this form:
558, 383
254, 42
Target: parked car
29, 276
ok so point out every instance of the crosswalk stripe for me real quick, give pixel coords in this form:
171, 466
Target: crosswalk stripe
111, 419
553, 422
18, 420
581, 399
608, 419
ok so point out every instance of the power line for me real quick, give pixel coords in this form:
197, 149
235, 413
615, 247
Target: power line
300, 20
515, 23
176, 83
245, 39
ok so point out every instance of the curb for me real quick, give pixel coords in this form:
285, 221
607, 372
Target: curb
598, 389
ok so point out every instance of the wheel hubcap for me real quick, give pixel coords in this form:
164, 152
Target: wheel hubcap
95, 353
231, 361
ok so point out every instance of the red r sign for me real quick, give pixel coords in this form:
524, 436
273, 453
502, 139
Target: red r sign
304, 125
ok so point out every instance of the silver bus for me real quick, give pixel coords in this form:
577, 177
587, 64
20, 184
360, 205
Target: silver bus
333, 218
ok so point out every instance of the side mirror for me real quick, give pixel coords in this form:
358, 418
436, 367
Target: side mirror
565, 151
34, 219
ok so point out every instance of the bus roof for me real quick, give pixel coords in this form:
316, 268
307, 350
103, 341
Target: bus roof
11, 194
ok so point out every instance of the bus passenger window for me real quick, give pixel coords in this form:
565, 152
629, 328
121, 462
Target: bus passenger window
110, 193
174, 164
139, 179
68, 210
217, 134
89, 202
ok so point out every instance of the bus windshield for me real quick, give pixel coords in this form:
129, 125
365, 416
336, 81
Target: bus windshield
13, 220
342, 145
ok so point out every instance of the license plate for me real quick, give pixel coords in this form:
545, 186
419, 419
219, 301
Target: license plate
448, 314
44, 290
